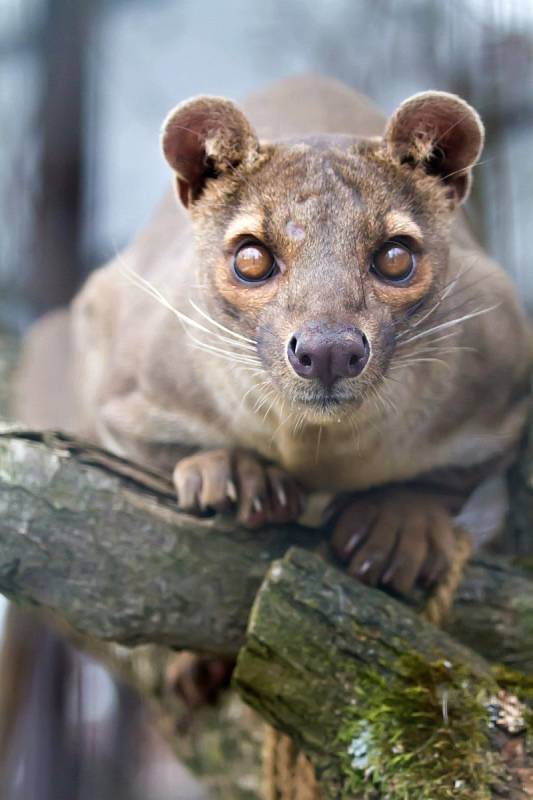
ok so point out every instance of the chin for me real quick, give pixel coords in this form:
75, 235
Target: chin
328, 405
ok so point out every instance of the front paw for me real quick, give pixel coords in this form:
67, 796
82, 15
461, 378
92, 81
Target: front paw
395, 538
222, 480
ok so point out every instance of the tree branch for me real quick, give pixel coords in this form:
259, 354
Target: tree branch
100, 542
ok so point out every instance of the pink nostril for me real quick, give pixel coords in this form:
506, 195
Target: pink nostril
304, 358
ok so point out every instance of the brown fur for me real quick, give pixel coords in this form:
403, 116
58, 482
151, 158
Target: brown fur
323, 193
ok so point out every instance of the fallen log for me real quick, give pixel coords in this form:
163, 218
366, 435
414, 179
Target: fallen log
386, 705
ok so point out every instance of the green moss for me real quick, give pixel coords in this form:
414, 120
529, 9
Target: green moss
516, 682
422, 734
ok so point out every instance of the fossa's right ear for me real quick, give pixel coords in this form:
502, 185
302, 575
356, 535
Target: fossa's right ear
203, 138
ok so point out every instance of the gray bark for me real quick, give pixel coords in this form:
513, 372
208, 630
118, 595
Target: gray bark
100, 542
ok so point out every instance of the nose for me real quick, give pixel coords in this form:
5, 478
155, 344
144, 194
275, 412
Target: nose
328, 352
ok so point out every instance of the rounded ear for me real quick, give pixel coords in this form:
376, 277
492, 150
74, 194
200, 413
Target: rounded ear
203, 138
440, 133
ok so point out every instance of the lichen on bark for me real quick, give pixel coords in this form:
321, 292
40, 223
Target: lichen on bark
423, 734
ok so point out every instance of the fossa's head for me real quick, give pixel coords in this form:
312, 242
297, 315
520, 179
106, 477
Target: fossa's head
323, 250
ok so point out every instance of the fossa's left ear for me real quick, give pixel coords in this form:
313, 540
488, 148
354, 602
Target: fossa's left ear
441, 134
204, 138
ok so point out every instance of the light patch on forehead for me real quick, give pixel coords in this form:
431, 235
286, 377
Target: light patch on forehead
247, 224
398, 223
295, 232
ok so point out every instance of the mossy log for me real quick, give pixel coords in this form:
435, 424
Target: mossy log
386, 705
100, 542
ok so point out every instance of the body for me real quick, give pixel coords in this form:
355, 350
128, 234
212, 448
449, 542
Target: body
440, 401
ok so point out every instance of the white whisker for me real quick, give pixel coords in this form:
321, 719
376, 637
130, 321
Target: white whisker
283, 419
186, 321
451, 322
443, 338
236, 357
409, 362
253, 387
445, 292
298, 425
318, 442
269, 409
263, 400
151, 290
432, 346
443, 350
441, 299
356, 433
222, 327
216, 349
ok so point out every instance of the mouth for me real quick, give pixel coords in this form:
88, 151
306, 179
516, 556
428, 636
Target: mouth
326, 401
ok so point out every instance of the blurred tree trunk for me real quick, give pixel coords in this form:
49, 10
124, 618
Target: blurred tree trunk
64, 45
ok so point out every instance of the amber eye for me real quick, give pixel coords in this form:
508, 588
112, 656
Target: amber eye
253, 262
394, 262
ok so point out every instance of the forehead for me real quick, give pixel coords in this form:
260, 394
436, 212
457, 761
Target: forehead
328, 181
330, 194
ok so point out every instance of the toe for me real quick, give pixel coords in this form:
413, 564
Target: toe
188, 483
409, 555
217, 481
352, 528
372, 558
284, 496
441, 550
254, 507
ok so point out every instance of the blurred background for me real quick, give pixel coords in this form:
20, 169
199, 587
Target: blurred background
85, 84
